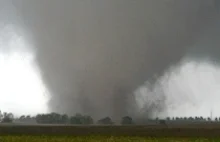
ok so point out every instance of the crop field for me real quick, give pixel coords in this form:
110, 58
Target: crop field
99, 139
110, 133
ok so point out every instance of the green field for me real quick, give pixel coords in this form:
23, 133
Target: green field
98, 139
206, 131
110, 133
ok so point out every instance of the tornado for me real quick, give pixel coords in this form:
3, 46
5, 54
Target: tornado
93, 54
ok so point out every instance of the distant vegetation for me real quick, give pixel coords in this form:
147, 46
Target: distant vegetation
77, 119
101, 139
169, 127
106, 120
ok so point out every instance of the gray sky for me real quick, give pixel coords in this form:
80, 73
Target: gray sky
94, 53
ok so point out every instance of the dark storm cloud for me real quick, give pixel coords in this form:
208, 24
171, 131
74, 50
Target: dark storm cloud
95, 53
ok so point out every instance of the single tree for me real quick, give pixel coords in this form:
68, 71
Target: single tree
127, 120
191, 119
106, 120
87, 120
168, 118
22, 118
8, 118
64, 119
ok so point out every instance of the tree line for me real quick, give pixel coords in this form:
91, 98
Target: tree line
56, 118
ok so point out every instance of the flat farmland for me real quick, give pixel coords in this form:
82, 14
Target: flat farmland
100, 139
187, 131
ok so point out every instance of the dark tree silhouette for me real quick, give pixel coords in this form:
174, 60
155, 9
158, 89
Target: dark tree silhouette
162, 122
77, 119
191, 119
64, 119
52, 118
22, 117
106, 120
127, 120
7, 117
201, 118
88, 120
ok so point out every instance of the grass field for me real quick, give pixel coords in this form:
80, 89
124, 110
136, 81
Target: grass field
111, 133
98, 139
206, 131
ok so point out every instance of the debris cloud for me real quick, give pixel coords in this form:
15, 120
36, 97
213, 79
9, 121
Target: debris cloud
94, 54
